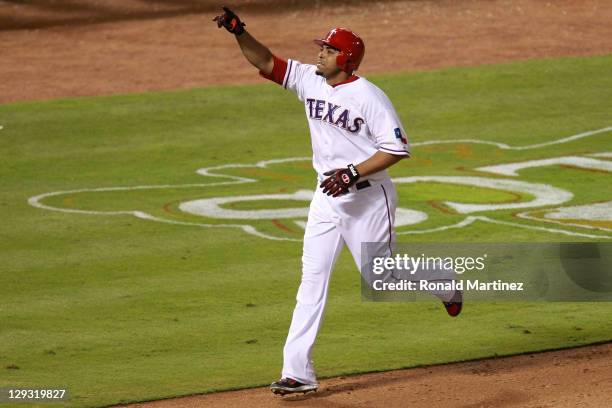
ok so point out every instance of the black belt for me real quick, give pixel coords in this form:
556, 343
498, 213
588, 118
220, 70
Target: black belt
362, 184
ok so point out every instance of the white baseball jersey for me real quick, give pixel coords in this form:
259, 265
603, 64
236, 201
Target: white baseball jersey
348, 122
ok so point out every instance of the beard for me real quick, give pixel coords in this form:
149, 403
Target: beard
327, 72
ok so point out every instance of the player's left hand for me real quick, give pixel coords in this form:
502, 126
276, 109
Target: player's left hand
339, 180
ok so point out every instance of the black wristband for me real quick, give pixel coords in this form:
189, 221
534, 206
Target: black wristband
354, 173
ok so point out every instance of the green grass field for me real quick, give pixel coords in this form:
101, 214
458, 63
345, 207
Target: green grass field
119, 308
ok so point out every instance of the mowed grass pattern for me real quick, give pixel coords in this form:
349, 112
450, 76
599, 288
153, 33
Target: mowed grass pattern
115, 308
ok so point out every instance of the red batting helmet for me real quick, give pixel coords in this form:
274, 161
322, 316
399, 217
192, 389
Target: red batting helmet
349, 44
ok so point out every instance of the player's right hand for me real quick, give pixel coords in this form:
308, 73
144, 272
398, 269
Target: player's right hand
230, 21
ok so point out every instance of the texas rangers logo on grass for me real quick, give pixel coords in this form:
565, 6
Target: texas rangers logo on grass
525, 191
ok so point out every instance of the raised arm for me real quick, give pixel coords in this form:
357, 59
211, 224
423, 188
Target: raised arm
255, 52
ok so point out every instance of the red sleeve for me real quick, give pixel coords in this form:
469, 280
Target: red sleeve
278, 72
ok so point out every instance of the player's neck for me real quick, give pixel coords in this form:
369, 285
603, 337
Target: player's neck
341, 76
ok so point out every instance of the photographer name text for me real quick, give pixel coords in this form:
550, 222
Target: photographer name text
463, 285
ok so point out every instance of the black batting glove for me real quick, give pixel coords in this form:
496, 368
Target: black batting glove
230, 21
339, 181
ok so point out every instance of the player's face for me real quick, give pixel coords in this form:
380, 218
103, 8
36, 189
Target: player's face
326, 62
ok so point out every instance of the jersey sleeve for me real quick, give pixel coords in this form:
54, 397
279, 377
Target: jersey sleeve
278, 71
385, 126
291, 75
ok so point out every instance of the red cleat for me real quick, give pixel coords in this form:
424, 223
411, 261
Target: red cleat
453, 308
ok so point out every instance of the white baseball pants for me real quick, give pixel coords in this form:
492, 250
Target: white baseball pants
366, 215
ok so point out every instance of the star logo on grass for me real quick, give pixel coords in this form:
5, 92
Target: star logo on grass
269, 199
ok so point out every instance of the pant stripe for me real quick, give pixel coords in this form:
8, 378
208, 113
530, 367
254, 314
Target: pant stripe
389, 218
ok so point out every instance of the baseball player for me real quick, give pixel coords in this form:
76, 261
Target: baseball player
356, 135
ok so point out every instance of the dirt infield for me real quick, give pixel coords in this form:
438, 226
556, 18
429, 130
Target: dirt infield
54, 49
580, 377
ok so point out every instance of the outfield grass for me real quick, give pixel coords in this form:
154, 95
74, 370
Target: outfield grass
116, 308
